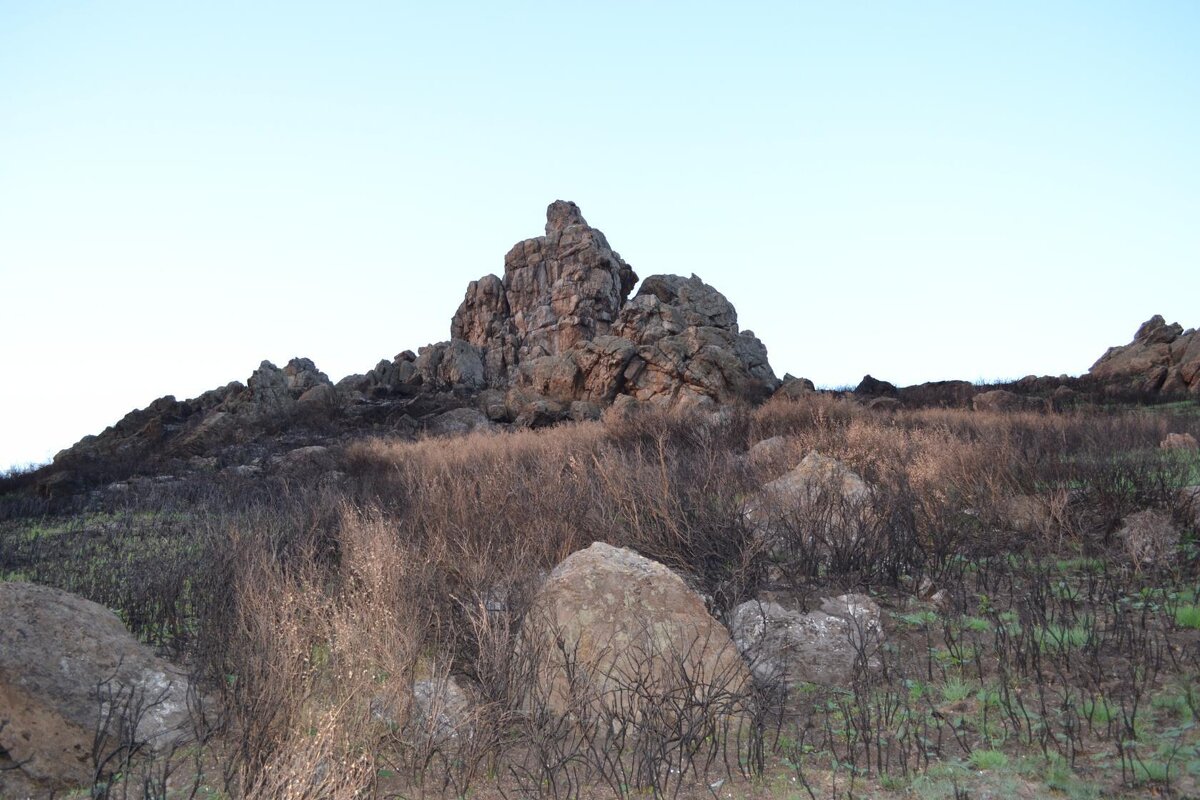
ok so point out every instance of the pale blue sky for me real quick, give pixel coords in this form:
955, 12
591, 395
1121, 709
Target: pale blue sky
917, 190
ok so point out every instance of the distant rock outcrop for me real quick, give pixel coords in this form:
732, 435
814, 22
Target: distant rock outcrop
557, 329
1161, 358
557, 337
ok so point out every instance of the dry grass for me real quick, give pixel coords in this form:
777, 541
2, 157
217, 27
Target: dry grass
313, 613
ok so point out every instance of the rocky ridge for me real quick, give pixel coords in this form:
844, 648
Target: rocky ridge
557, 337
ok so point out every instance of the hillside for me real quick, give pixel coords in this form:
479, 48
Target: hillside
592, 546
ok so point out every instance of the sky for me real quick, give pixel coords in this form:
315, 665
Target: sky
919, 190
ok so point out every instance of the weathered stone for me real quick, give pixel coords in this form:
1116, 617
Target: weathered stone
1179, 441
767, 453
441, 709
457, 422
1161, 358
455, 364
1005, 401
786, 647
66, 661
566, 287
793, 388
873, 387
822, 501
320, 398
620, 624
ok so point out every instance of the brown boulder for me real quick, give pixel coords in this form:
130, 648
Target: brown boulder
821, 500
793, 388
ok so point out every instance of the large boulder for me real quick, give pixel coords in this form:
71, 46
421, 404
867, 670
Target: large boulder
870, 387
821, 498
690, 350
611, 624
66, 666
787, 647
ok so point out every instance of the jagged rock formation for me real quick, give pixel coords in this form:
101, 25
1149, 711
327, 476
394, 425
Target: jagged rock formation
1161, 358
557, 330
556, 337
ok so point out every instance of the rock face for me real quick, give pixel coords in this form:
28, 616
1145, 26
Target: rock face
1161, 358
618, 623
787, 647
558, 291
63, 660
558, 329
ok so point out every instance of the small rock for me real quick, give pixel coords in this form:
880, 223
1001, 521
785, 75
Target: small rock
1149, 538
1179, 441
458, 422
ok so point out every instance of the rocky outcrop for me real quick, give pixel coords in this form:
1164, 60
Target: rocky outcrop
558, 291
68, 669
609, 621
557, 337
1161, 358
558, 328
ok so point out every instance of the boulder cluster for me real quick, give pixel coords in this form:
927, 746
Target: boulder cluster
560, 336
1161, 358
